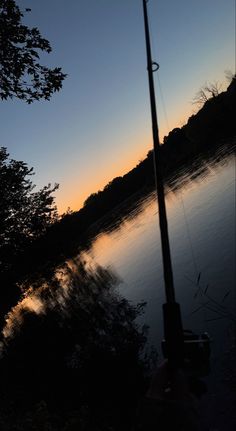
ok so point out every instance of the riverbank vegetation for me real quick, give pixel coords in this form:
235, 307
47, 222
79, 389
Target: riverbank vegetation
204, 131
72, 353
72, 356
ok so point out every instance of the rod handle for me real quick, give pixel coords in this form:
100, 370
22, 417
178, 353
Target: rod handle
173, 331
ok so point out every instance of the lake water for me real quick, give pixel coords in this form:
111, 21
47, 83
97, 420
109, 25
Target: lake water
201, 217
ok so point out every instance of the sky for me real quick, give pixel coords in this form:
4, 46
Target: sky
99, 126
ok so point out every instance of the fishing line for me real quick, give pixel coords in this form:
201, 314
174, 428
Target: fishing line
176, 339
153, 42
163, 103
187, 227
155, 57
194, 260
197, 284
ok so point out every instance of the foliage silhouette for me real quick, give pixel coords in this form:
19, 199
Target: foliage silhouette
78, 358
21, 74
206, 92
25, 215
202, 134
215, 120
84, 333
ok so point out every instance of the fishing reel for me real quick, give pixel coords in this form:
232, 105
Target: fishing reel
183, 348
196, 353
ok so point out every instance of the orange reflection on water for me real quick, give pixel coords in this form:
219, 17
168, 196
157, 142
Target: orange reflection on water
16, 316
118, 244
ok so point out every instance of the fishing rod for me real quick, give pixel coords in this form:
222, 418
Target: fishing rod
173, 330
178, 345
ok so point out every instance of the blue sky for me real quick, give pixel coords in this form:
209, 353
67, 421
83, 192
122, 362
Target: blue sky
98, 126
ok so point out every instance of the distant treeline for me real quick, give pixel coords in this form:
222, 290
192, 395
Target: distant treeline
214, 122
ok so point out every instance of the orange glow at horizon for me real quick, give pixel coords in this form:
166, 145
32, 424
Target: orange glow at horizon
102, 178
74, 199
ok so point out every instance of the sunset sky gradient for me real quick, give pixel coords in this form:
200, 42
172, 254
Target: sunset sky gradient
98, 126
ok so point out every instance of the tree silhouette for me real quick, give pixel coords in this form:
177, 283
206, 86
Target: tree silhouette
208, 91
24, 214
21, 75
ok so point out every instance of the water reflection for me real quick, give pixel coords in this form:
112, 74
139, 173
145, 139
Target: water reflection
201, 216
74, 337
72, 350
